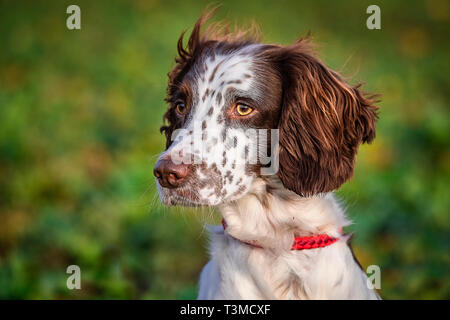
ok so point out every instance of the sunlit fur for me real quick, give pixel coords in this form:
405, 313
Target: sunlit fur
321, 119
222, 174
240, 271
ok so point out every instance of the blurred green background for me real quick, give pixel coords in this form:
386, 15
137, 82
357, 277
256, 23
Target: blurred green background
79, 130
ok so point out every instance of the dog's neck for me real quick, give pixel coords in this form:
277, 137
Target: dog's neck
252, 218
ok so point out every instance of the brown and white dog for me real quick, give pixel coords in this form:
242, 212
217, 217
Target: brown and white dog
229, 98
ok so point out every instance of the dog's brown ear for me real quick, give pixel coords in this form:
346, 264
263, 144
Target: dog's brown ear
323, 120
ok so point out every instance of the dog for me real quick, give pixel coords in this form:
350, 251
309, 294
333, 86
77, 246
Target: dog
229, 97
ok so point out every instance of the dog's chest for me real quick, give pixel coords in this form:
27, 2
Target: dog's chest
240, 271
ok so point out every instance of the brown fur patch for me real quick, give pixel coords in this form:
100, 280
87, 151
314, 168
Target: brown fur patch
323, 121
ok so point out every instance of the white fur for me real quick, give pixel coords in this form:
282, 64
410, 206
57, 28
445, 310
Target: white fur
269, 217
189, 143
240, 271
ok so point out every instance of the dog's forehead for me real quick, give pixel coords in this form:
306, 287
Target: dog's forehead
217, 79
214, 74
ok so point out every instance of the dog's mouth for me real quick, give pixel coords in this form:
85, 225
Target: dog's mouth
181, 196
175, 200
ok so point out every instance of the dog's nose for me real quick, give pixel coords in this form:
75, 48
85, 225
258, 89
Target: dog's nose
169, 174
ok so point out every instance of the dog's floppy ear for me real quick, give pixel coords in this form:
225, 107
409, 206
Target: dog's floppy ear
323, 120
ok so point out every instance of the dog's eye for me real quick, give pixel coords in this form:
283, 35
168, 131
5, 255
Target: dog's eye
181, 108
243, 110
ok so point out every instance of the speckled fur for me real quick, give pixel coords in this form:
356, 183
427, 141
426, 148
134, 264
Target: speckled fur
321, 119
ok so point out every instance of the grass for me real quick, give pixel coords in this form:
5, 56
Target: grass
79, 133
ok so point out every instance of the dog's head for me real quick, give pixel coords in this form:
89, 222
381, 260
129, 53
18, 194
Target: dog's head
231, 97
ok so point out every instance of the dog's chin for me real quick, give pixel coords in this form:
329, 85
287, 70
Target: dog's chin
173, 197
178, 201
174, 200
188, 197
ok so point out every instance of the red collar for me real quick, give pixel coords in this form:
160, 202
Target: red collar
301, 243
